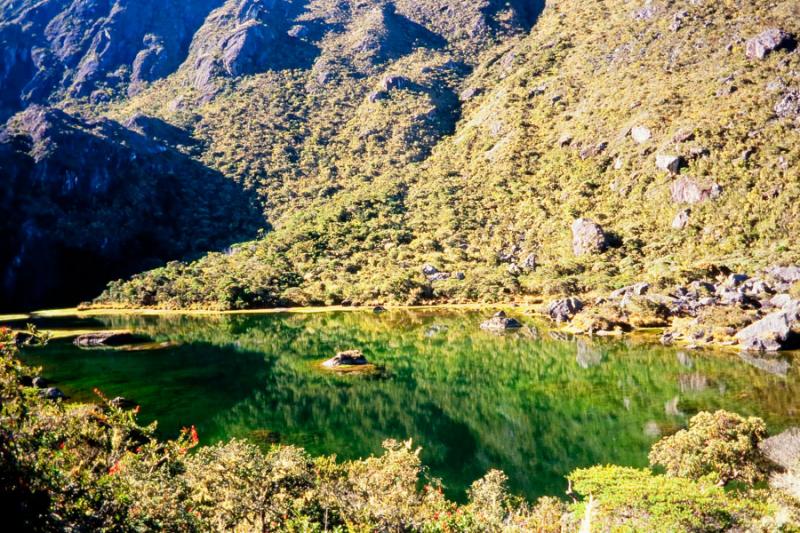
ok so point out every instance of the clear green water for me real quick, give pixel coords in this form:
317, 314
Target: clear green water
535, 408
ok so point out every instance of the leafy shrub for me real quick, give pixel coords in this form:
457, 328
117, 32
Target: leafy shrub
630, 499
721, 444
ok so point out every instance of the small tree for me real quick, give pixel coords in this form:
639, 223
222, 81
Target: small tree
722, 444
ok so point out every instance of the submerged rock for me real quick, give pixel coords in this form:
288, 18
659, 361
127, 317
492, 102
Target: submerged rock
346, 358
109, 339
500, 322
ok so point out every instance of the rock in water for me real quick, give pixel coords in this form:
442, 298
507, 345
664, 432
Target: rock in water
500, 322
121, 402
588, 237
52, 393
109, 338
346, 358
768, 41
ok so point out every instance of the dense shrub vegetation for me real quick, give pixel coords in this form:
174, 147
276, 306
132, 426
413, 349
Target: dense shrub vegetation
81, 467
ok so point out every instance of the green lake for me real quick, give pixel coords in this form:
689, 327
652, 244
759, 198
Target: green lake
532, 403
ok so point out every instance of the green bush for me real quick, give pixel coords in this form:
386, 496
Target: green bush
629, 499
721, 444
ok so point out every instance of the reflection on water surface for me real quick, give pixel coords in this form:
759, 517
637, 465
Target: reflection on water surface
534, 405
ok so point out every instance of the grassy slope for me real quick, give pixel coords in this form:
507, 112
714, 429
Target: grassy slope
362, 194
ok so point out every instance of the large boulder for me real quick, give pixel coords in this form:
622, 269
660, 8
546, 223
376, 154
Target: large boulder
768, 41
783, 449
789, 105
501, 322
588, 237
641, 134
688, 191
772, 333
563, 310
670, 163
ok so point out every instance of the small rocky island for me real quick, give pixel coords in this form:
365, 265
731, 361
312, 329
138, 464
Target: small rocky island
346, 360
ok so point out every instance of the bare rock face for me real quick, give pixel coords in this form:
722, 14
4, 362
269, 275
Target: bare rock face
236, 39
72, 48
689, 191
588, 237
768, 41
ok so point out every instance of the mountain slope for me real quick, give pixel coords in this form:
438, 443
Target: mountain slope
93, 200
380, 137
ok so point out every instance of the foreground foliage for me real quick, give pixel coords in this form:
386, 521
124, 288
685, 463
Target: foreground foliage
94, 468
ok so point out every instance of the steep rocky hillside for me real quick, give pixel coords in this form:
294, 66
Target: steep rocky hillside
93, 200
444, 150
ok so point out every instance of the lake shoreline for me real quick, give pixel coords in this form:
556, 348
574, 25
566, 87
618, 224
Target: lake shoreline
144, 311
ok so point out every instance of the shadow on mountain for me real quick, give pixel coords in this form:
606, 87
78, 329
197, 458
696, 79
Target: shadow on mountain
95, 201
526, 11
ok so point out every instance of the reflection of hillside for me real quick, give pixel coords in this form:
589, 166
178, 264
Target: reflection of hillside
472, 400
177, 386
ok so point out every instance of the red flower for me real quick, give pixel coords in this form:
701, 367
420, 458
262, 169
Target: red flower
193, 433
114, 469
